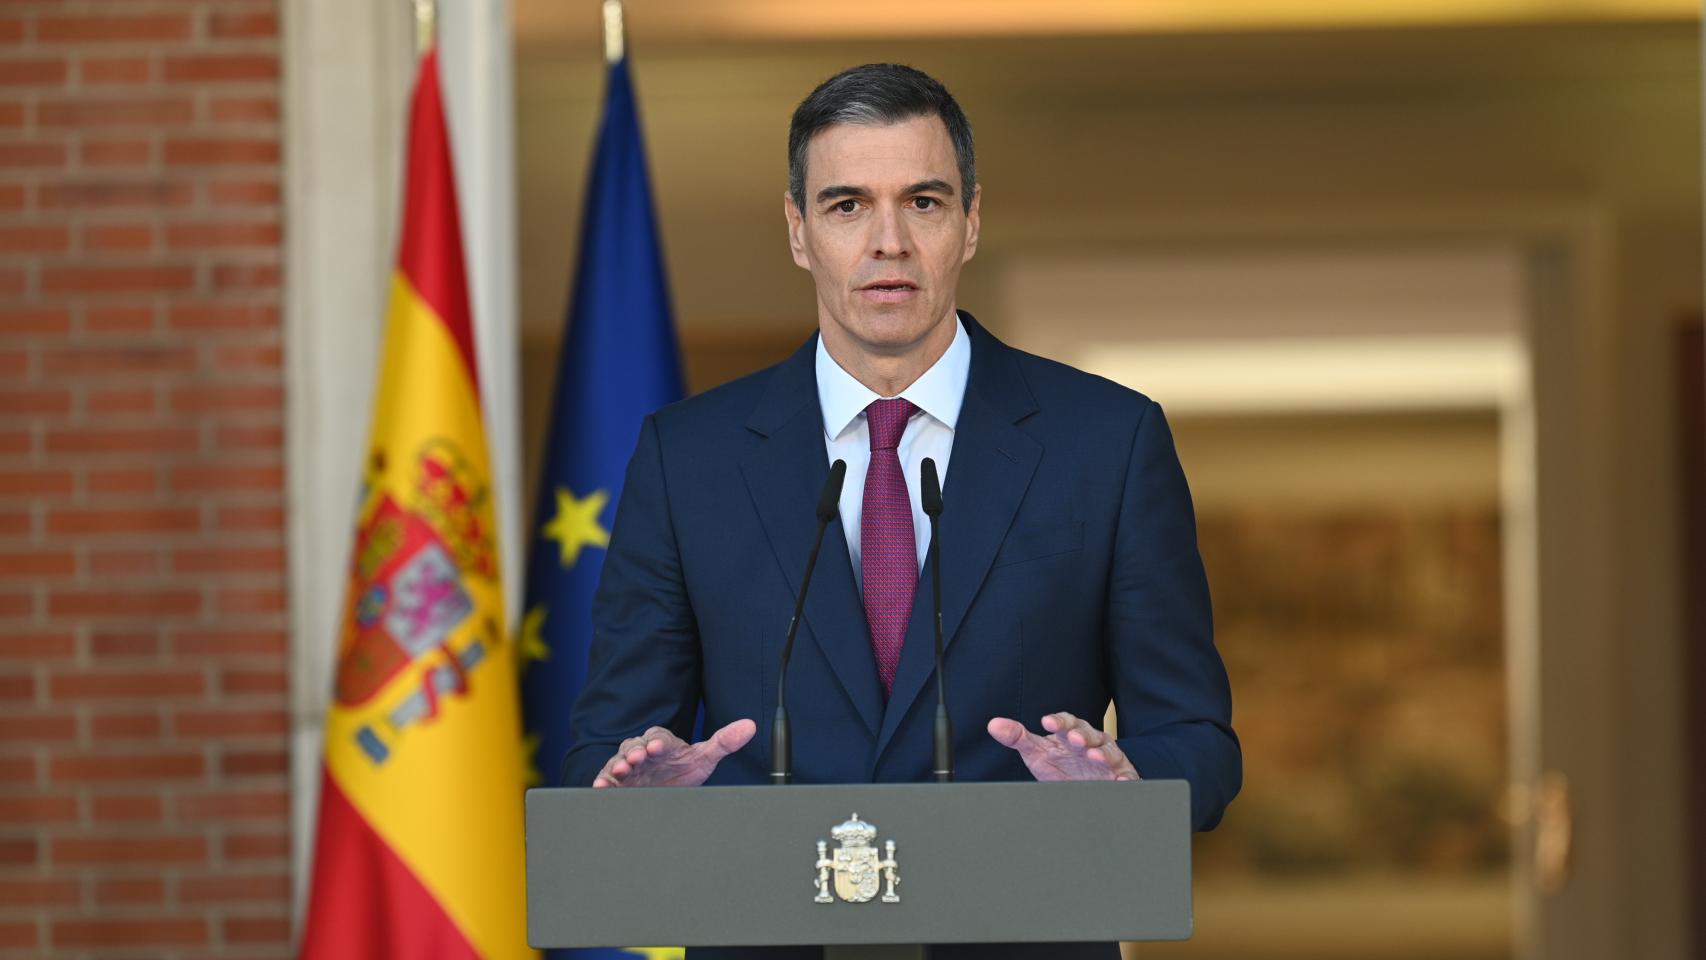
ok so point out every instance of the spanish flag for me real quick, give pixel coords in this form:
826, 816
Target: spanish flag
419, 849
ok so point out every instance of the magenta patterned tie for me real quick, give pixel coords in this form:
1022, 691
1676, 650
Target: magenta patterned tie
888, 558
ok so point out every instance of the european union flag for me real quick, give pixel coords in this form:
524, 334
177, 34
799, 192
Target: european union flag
618, 364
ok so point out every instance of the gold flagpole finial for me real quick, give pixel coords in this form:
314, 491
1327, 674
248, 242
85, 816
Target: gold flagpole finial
612, 30
426, 25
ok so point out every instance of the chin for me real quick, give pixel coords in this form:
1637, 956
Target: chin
889, 339
895, 330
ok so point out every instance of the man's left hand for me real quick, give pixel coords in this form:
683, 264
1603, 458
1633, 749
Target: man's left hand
1073, 750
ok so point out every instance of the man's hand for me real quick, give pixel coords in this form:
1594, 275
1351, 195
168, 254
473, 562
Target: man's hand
1073, 750
659, 758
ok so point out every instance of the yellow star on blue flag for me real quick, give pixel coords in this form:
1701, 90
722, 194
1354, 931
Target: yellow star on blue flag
533, 645
576, 525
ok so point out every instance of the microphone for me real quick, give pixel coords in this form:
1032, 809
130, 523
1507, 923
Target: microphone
781, 751
930, 497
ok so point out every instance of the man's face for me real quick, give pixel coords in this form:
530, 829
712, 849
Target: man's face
884, 232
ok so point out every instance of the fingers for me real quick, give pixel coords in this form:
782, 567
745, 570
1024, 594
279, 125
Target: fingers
1057, 722
1073, 750
632, 753
654, 742
658, 745
1111, 754
1085, 737
1107, 753
1074, 732
1064, 724
728, 739
1013, 735
1090, 741
1008, 733
607, 775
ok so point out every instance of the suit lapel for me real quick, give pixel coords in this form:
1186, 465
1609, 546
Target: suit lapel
784, 471
988, 473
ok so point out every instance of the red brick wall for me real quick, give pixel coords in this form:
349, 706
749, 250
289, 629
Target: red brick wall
143, 715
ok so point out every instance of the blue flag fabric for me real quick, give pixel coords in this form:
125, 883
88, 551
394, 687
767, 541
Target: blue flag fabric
618, 364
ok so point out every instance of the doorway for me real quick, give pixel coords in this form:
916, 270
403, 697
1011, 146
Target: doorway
1356, 427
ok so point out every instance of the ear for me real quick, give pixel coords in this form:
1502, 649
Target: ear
973, 222
796, 231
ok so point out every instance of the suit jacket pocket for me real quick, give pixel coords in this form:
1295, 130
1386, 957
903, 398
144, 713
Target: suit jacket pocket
1035, 543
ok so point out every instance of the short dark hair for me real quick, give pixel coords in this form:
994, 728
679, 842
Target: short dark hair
878, 93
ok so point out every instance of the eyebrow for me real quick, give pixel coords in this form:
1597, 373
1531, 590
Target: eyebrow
931, 186
842, 190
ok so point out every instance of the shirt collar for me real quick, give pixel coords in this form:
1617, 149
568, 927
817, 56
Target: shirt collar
939, 392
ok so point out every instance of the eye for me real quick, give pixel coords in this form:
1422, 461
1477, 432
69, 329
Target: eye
846, 206
926, 203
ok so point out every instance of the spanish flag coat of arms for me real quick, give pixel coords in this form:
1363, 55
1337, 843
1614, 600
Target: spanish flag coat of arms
418, 852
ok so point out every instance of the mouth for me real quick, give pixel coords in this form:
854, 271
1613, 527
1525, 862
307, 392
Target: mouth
889, 290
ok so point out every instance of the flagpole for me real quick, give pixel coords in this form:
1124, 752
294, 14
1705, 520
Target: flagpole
613, 33
426, 25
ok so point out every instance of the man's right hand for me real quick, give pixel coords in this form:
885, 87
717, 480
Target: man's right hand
659, 758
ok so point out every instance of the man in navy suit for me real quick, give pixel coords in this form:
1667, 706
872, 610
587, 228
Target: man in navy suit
1070, 572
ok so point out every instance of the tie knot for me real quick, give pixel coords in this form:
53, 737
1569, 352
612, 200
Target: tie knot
887, 420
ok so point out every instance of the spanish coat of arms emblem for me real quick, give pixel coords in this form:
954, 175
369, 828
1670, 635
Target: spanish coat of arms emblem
858, 870
418, 547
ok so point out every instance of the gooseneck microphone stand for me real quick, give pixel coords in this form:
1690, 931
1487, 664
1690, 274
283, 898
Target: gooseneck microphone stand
930, 497
781, 749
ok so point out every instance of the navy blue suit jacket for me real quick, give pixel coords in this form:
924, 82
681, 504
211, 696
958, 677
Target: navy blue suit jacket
1070, 575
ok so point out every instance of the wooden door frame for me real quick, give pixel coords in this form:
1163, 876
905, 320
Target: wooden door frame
1691, 401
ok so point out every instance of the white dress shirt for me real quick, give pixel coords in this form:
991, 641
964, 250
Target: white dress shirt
930, 433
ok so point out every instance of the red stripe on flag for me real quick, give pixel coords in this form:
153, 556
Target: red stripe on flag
366, 904
429, 252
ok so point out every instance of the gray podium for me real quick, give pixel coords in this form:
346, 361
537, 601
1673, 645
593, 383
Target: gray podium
970, 863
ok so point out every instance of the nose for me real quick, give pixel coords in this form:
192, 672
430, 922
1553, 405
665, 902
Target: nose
889, 238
